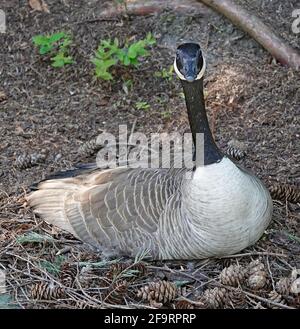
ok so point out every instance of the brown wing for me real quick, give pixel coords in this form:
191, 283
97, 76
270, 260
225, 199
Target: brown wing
116, 209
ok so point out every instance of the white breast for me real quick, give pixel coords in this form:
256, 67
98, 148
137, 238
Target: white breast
228, 208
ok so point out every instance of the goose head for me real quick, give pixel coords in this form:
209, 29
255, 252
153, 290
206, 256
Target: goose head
189, 62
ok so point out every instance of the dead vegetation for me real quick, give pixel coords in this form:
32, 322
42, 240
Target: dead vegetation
51, 115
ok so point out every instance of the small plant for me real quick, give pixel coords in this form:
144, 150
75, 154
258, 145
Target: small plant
56, 45
166, 114
142, 106
130, 54
109, 54
165, 74
127, 86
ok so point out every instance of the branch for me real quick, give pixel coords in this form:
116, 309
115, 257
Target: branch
251, 24
143, 8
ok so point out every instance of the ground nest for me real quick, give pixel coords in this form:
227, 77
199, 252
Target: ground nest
47, 115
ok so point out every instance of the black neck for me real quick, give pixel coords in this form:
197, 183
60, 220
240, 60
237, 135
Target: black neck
195, 104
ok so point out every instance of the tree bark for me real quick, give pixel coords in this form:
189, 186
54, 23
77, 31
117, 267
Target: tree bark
249, 23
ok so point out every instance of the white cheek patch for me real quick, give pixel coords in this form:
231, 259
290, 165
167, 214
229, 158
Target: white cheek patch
199, 76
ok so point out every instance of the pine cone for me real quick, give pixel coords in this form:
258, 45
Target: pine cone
68, 274
89, 148
237, 298
236, 153
283, 286
183, 305
295, 287
215, 298
115, 293
232, 275
257, 278
46, 291
160, 292
285, 193
130, 272
28, 160
277, 298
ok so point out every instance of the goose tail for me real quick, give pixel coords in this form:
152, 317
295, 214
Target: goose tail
48, 201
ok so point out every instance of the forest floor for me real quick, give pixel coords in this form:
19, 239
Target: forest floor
250, 99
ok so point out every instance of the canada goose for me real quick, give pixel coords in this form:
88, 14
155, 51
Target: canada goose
221, 210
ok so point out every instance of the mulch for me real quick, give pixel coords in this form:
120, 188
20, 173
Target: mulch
251, 101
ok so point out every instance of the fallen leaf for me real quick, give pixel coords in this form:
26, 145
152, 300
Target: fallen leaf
45, 7
39, 5
19, 130
3, 96
35, 5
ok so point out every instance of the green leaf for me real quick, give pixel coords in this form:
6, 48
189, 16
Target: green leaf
40, 40
97, 61
132, 51
121, 55
66, 42
150, 39
134, 62
45, 49
61, 60
103, 74
108, 63
126, 60
56, 37
142, 105
58, 63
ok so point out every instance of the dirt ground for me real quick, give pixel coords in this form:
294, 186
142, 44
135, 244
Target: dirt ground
250, 98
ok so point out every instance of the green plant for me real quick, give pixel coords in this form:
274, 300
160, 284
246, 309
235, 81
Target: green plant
109, 54
57, 46
127, 86
61, 60
142, 106
165, 74
130, 54
166, 114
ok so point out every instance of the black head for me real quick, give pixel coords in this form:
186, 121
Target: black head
189, 62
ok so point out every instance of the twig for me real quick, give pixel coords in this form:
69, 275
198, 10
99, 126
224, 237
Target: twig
256, 253
270, 273
265, 300
143, 8
95, 20
177, 272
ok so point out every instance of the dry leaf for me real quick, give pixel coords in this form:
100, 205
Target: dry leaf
39, 5
3, 96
